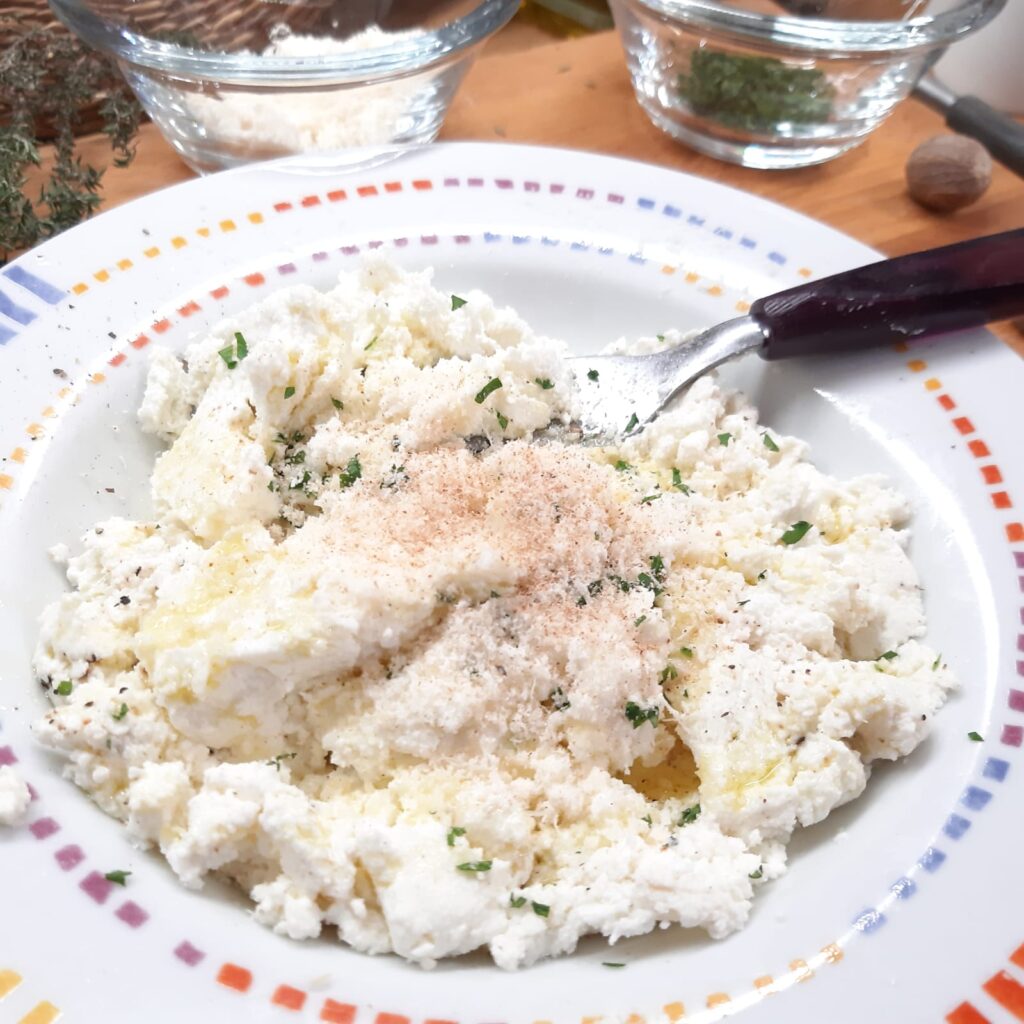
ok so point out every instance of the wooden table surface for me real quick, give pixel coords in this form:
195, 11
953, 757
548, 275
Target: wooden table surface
576, 93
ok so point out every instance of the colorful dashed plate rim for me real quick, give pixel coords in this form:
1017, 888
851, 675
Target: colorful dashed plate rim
906, 906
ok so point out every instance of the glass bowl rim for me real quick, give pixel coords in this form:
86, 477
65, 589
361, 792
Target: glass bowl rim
397, 59
826, 35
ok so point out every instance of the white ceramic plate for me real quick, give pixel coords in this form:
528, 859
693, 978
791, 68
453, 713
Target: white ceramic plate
903, 907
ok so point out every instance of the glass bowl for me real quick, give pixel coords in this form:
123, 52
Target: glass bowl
232, 81
741, 82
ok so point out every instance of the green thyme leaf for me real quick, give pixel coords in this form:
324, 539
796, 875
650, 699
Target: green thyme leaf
63, 688
762, 574
353, 471
622, 466
769, 443
543, 383
289, 391
457, 303
593, 374
633, 421
117, 877
724, 439
686, 652
657, 564
371, 343
759, 873
241, 348
120, 712
690, 815
648, 819
607, 963
638, 621
667, 673
647, 499
937, 662
517, 901
453, 833
502, 420
796, 532
888, 655
638, 715
677, 481
474, 865
228, 355
977, 737
492, 385
540, 909
337, 403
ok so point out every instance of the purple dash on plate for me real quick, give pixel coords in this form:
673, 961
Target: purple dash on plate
187, 953
672, 211
428, 239
7, 756
548, 241
531, 186
462, 239
375, 244
1020, 642
869, 921
723, 232
645, 204
520, 239
748, 243
349, 250
955, 826
1018, 557
606, 250
400, 243
451, 182
503, 182
319, 257
777, 257
96, 886
69, 857
1016, 697
286, 268
489, 236
932, 859
1013, 735
555, 189
635, 257
579, 247
975, 798
132, 914
614, 197
1020, 583
903, 888
1020, 672
32, 793
44, 828
584, 193
996, 768
697, 222
475, 182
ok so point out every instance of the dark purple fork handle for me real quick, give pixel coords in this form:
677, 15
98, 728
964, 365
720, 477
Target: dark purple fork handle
957, 286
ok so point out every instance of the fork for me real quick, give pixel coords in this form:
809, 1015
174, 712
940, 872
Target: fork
925, 293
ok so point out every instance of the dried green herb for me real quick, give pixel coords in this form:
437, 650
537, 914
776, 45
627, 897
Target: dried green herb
754, 94
46, 78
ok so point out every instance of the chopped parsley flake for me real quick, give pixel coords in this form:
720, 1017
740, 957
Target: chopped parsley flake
936, 662
667, 673
889, 655
657, 566
543, 383
638, 715
120, 712
492, 385
796, 532
647, 582
276, 761
976, 736
769, 442
593, 374
690, 815
502, 420
353, 471
337, 403
686, 652
63, 688
540, 909
117, 877
622, 466
633, 421
300, 484
474, 865
595, 588
240, 346
648, 498
677, 481
607, 963
581, 601
641, 619
724, 439
517, 901
559, 701
234, 354
648, 819
759, 873
289, 391
457, 303
371, 343
761, 575
228, 355
453, 833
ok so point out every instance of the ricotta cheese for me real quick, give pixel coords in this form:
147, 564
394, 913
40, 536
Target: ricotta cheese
15, 796
399, 668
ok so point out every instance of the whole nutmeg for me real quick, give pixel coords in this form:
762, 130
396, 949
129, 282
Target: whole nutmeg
948, 172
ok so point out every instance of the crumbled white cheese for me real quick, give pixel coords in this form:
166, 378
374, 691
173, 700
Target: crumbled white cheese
265, 123
399, 669
15, 796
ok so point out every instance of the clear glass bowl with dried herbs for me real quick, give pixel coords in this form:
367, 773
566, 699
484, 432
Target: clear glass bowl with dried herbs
784, 83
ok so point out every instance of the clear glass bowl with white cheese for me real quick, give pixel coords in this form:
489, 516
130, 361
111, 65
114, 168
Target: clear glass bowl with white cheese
228, 83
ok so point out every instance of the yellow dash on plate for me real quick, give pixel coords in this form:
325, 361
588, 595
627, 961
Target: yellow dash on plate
674, 1011
41, 1013
9, 980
